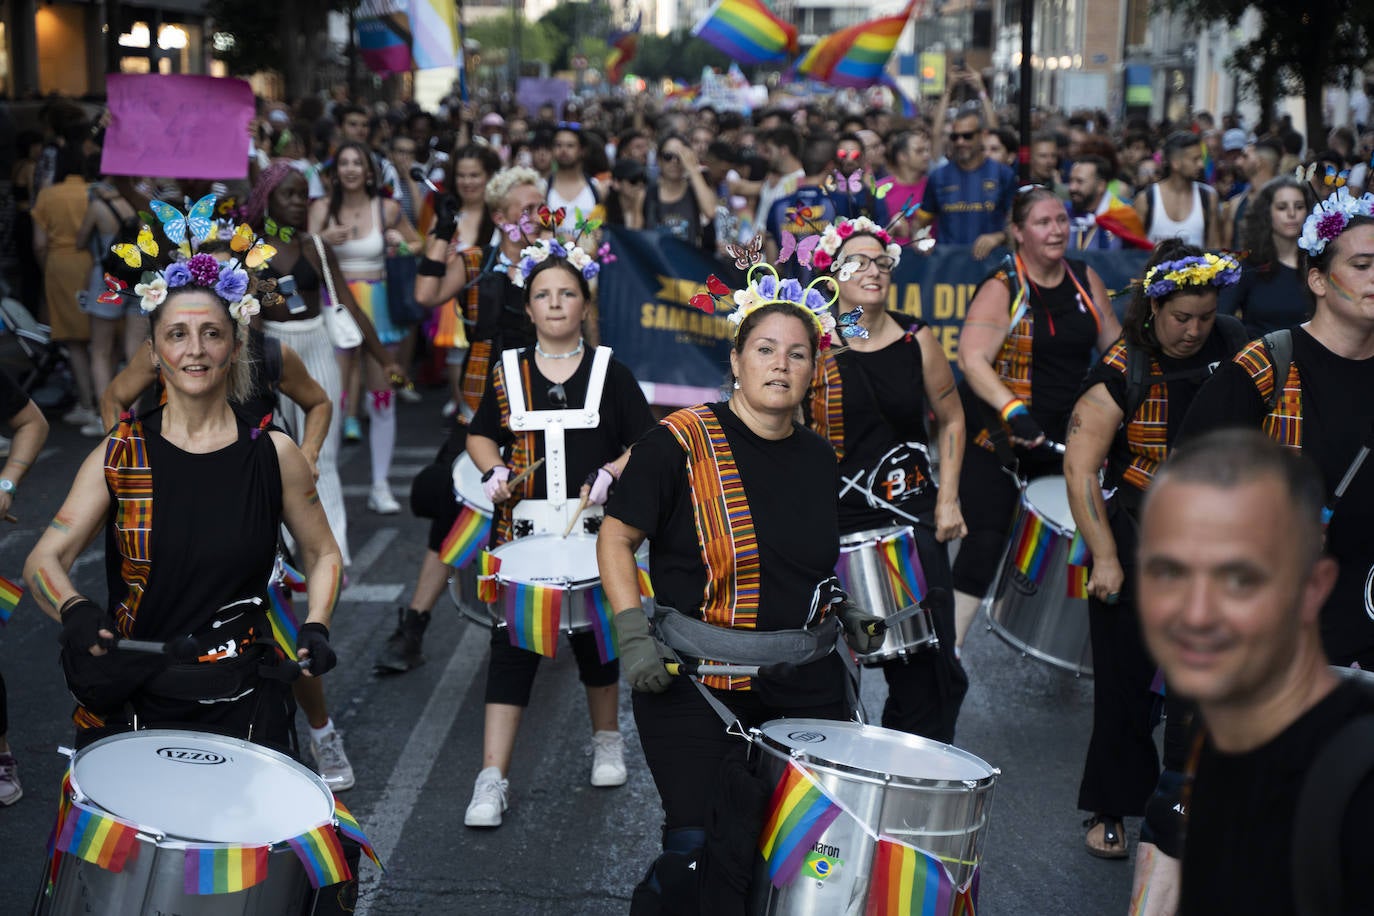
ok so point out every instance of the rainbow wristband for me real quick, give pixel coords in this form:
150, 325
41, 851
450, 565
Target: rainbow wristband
1013, 408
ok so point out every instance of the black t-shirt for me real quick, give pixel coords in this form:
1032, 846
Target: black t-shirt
1337, 416
789, 483
12, 398
1185, 378
884, 405
1238, 850
625, 415
213, 537
1267, 298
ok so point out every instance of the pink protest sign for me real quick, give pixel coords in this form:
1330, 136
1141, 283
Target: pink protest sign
177, 126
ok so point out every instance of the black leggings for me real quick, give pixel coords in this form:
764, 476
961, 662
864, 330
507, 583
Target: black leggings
988, 498
926, 689
511, 671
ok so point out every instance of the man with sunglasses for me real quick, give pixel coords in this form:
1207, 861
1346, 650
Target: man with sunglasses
969, 197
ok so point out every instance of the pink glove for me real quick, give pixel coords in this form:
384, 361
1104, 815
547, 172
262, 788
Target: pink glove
600, 481
499, 475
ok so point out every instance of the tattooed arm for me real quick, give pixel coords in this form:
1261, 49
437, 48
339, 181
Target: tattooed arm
1096, 419
77, 523
943, 398
304, 518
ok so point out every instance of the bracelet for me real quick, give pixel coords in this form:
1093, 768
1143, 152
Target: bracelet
429, 267
67, 605
1012, 408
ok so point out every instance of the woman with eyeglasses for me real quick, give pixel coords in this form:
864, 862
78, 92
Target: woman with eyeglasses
681, 204
870, 399
533, 392
1027, 341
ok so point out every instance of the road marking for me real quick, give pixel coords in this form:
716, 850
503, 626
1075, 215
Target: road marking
421, 753
385, 594
371, 552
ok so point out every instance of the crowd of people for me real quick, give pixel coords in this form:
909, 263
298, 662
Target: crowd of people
463, 250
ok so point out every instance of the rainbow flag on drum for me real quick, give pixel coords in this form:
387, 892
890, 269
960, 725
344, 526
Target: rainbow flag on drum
907, 881
98, 839
470, 531
322, 855
1034, 540
224, 869
10, 593
798, 813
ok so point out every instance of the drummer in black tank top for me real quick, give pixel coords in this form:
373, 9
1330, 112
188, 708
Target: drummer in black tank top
870, 400
194, 495
1027, 341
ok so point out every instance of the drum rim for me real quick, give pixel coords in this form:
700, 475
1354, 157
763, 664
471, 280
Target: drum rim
856, 539
484, 506
1025, 500
786, 753
156, 834
568, 585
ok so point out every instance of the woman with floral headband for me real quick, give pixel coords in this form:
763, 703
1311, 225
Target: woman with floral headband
1133, 404
870, 399
729, 584
1027, 340
158, 481
535, 417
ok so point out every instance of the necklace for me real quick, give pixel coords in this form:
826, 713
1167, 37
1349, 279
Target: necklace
569, 355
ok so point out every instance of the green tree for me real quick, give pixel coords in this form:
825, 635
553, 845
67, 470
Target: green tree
678, 55
572, 25
271, 35
1311, 44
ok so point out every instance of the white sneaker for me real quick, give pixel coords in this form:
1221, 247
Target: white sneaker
80, 416
10, 790
488, 799
608, 759
381, 501
331, 762
409, 395
94, 430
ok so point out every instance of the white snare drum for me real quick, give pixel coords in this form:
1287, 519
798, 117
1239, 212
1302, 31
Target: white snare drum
183, 788
1034, 613
462, 585
925, 794
881, 571
548, 562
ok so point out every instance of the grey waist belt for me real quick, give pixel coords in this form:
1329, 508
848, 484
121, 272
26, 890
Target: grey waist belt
696, 638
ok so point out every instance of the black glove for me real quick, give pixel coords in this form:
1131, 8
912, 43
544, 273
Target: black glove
82, 621
640, 658
314, 639
445, 217
856, 622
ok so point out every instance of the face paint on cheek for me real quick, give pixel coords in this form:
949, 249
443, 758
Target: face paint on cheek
1344, 293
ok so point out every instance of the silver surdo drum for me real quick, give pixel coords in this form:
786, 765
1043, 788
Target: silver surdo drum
180, 788
929, 795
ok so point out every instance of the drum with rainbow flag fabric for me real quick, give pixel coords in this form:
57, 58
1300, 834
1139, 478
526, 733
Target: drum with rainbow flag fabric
1039, 601
881, 570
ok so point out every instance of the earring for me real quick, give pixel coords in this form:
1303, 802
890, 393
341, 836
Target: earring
737, 384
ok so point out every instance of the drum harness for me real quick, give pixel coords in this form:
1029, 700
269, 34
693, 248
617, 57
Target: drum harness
552, 423
682, 634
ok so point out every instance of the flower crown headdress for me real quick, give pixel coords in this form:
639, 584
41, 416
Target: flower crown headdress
1329, 218
540, 250
1199, 270
230, 280
764, 287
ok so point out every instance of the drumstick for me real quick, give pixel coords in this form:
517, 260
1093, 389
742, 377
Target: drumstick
576, 515
781, 669
937, 598
11, 519
520, 478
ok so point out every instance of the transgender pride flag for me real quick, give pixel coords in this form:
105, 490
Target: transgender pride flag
384, 36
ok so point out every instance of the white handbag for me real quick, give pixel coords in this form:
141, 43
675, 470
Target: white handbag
344, 332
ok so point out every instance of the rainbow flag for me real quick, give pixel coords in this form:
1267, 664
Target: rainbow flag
603, 624
1078, 551
282, 619
10, 593
470, 531
488, 588
224, 869
907, 882
96, 838
292, 578
532, 618
798, 813
348, 826
855, 57
904, 573
1032, 547
64, 805
747, 31
384, 36
623, 45
322, 855
1078, 583
966, 898
646, 585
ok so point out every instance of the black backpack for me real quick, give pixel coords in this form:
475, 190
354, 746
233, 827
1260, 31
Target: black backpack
1139, 379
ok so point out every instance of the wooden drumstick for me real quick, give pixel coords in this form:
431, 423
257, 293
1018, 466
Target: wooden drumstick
576, 515
520, 478
11, 519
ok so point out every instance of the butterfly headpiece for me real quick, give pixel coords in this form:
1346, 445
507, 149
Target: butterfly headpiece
763, 287
1329, 218
184, 265
540, 250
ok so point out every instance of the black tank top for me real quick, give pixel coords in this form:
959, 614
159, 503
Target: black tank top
1065, 335
213, 539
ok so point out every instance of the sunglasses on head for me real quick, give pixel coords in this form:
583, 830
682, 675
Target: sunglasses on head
963, 135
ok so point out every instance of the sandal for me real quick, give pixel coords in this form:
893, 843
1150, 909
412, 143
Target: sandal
1106, 837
